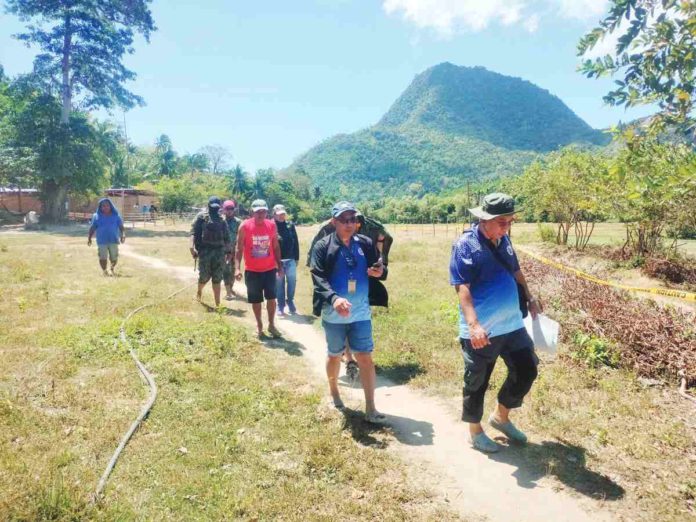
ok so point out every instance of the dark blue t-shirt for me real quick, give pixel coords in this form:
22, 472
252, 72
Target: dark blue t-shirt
350, 264
108, 228
493, 288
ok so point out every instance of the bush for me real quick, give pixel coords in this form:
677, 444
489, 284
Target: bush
546, 233
594, 351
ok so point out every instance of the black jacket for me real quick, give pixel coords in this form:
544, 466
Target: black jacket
287, 237
324, 256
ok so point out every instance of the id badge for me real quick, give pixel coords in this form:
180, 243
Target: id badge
352, 286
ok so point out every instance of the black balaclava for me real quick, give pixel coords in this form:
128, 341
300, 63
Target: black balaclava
214, 205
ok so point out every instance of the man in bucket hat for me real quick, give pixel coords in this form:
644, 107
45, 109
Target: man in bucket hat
486, 276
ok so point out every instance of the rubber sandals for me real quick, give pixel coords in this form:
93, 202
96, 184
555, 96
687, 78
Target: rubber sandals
376, 417
275, 333
508, 429
483, 442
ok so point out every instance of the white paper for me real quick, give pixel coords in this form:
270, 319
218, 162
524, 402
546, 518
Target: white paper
543, 331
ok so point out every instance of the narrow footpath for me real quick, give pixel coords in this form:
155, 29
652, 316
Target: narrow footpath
432, 441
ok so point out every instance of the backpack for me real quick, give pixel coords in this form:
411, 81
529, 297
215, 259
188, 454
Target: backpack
213, 233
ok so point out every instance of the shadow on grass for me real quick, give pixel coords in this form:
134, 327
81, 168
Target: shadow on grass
291, 347
564, 461
300, 319
407, 431
223, 310
398, 373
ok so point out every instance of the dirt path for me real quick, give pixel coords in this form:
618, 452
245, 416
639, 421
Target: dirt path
431, 440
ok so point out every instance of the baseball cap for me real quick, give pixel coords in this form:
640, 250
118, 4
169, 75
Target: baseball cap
341, 207
279, 209
214, 202
258, 204
229, 204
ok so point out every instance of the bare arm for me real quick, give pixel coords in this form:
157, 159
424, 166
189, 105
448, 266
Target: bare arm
534, 304
239, 250
275, 244
478, 336
90, 234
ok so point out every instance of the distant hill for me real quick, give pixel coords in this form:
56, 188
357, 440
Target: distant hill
451, 124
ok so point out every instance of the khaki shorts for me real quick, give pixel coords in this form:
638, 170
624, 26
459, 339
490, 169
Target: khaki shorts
109, 251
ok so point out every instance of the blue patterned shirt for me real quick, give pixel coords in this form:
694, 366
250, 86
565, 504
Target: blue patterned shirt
493, 288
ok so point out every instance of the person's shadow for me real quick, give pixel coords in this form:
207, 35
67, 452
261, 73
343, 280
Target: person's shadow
407, 431
564, 461
279, 343
222, 310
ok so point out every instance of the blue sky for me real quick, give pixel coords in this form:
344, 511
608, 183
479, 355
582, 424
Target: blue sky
269, 79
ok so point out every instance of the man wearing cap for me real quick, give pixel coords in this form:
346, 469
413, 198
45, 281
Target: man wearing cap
257, 242
210, 243
290, 254
228, 209
486, 275
342, 264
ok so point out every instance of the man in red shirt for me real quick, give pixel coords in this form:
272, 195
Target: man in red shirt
257, 242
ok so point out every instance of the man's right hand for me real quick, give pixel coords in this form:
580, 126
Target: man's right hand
342, 306
89, 241
478, 336
194, 253
238, 275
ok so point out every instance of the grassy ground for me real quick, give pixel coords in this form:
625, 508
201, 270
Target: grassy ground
601, 432
237, 432
605, 434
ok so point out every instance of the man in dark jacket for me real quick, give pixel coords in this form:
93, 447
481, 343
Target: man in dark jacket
342, 266
290, 255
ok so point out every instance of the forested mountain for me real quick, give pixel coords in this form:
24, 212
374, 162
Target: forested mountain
451, 124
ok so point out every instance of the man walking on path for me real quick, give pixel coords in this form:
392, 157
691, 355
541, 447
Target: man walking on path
210, 243
257, 242
486, 276
290, 255
228, 208
108, 225
342, 264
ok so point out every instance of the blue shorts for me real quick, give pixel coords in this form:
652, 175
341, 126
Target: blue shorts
358, 334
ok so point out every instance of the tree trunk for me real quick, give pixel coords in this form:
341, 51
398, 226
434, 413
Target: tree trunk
66, 88
54, 198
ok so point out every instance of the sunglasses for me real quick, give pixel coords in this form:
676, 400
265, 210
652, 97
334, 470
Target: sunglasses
348, 221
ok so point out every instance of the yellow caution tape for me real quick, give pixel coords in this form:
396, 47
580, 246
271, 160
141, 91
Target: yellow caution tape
679, 294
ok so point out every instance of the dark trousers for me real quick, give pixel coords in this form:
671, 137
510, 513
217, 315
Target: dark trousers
517, 350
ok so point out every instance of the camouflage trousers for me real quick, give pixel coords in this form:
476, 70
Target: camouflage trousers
211, 265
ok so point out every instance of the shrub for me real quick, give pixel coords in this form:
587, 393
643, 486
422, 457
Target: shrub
546, 233
594, 351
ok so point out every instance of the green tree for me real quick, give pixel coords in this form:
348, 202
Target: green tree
166, 157
655, 54
82, 45
568, 188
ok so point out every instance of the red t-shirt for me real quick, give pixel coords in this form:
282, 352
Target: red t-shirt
258, 245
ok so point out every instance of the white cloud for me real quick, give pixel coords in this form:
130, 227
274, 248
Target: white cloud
582, 9
450, 16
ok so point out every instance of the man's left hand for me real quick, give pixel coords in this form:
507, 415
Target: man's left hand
376, 270
280, 273
123, 239
535, 307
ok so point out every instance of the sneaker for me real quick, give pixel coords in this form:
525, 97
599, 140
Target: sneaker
292, 309
229, 297
352, 370
376, 417
508, 429
280, 312
275, 333
483, 442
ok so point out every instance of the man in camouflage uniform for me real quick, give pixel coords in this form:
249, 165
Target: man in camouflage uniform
210, 243
228, 209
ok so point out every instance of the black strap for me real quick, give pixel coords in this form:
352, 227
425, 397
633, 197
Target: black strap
497, 255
